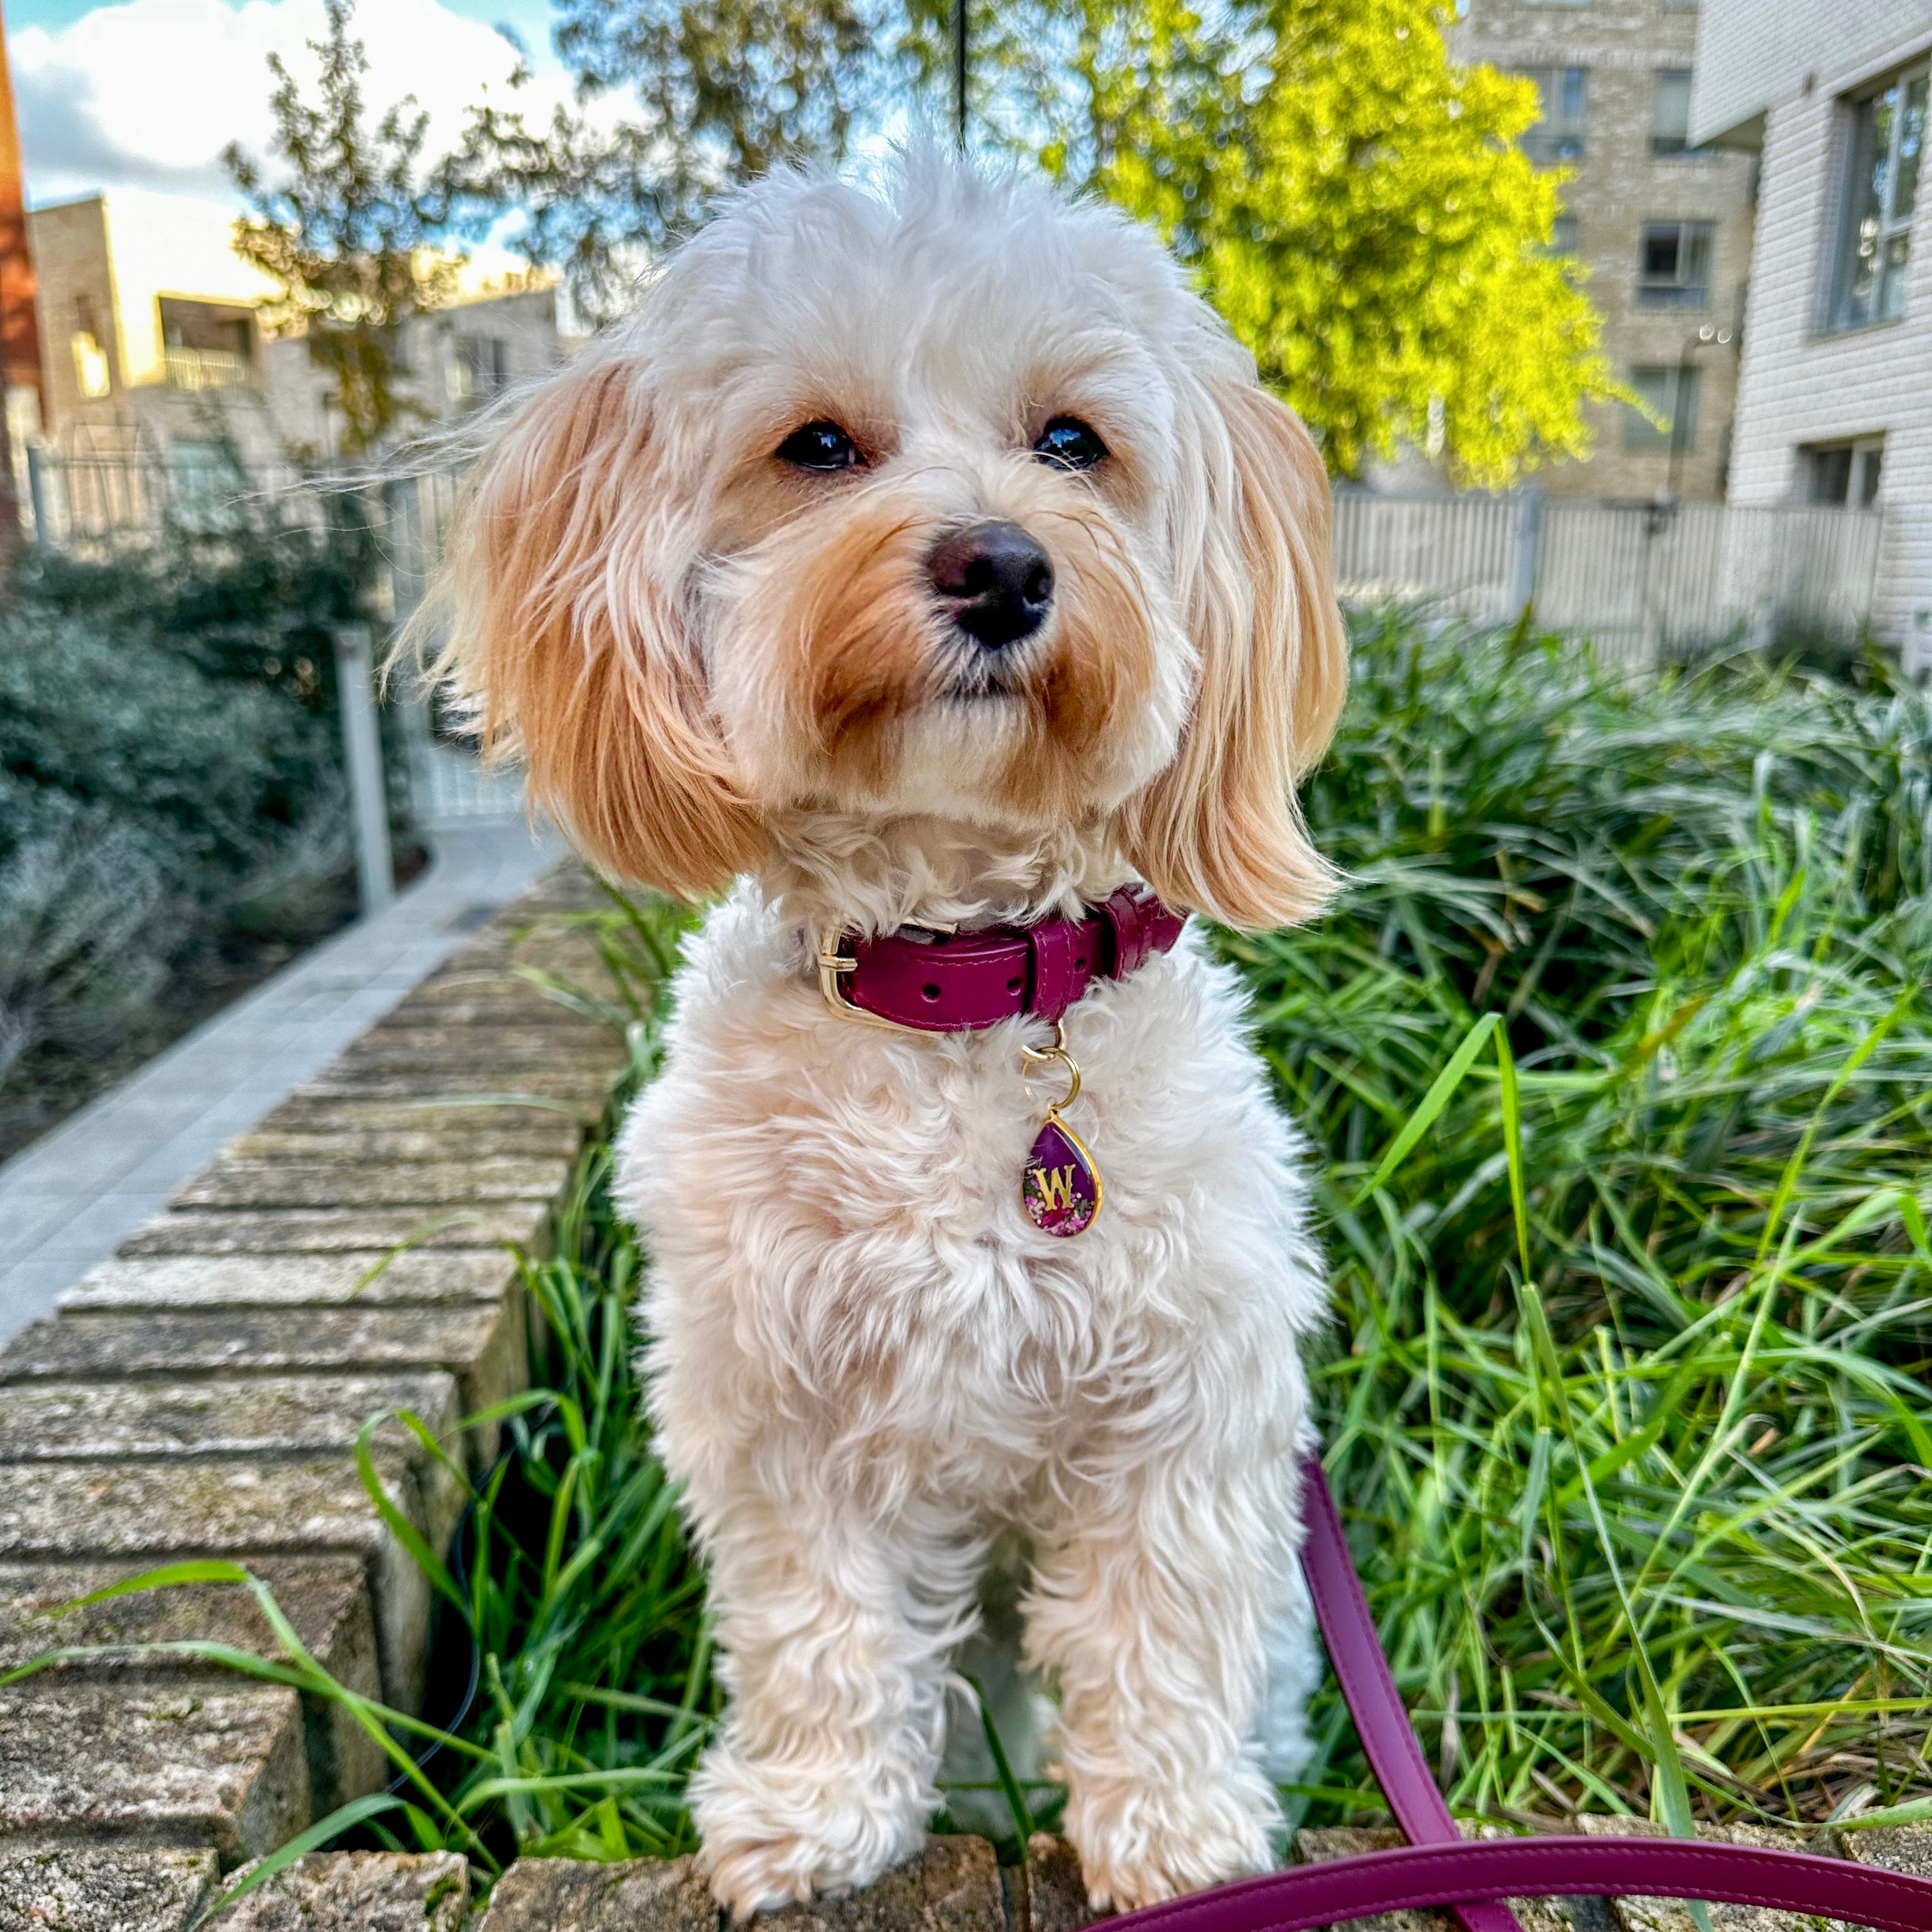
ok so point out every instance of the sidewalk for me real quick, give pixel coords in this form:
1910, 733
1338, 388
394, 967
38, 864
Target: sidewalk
65, 1201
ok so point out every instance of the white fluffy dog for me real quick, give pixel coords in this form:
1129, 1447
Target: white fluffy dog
930, 559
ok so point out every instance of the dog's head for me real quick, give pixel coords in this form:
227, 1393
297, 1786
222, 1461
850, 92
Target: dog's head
953, 501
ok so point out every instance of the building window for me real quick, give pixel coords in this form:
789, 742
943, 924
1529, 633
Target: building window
479, 369
1670, 115
1888, 138
1671, 390
1566, 237
1558, 134
1844, 472
207, 345
91, 375
1674, 265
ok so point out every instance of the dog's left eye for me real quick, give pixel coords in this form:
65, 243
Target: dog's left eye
819, 445
1069, 442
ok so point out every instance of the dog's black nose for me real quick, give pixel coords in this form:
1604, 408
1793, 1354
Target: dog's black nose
994, 581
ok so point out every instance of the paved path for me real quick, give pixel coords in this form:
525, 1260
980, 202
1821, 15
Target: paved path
66, 1200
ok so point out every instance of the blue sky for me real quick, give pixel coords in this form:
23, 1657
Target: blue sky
530, 18
144, 94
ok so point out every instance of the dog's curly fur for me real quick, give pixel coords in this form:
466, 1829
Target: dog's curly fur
865, 1362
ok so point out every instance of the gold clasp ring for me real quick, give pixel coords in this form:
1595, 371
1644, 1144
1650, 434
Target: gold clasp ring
1039, 1055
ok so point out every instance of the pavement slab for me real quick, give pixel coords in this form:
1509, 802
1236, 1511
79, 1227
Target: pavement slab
356, 1892
366, 1277
482, 1344
242, 1231
150, 1513
189, 1763
388, 1183
104, 1889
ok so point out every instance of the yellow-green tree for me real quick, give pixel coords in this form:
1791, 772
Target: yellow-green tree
1356, 206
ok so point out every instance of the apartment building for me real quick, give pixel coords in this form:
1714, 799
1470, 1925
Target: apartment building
1834, 403
154, 347
1659, 223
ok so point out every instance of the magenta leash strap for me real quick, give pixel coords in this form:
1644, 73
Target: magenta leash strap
1474, 1879
1381, 1721
1416, 1875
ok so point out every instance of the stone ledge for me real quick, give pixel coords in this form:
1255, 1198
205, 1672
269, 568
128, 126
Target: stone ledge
69, 1888
161, 1512
326, 1599
201, 1395
365, 1276
953, 1885
230, 1183
356, 1891
531, 1136
481, 1343
323, 1231
224, 1768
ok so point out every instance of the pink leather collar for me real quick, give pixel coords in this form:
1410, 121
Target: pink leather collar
954, 982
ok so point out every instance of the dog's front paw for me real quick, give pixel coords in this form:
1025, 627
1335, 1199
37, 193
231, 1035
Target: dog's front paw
777, 1834
1138, 1845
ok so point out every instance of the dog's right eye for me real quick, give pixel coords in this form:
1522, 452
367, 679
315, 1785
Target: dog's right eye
819, 445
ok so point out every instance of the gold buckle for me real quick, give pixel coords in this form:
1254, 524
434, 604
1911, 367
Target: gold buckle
831, 964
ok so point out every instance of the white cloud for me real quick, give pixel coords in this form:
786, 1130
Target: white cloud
148, 93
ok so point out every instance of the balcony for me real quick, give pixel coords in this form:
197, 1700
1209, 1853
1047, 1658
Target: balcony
196, 370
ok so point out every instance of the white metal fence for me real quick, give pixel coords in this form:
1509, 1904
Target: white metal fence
94, 505
1639, 579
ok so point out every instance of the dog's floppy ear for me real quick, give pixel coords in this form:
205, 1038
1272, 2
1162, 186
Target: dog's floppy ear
566, 645
1219, 831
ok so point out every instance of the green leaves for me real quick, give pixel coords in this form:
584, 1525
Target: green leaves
1358, 209
1627, 1382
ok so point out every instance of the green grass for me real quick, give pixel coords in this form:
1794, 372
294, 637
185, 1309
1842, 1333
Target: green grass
1632, 1426
1618, 1052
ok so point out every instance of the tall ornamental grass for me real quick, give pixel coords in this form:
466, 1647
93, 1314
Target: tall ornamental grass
1615, 1055
1619, 1048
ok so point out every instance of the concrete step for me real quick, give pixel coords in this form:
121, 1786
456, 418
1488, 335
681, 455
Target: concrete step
356, 1892
482, 1344
231, 1182
953, 1885
187, 1761
534, 1137
367, 1277
325, 1600
104, 1889
242, 1231
148, 1513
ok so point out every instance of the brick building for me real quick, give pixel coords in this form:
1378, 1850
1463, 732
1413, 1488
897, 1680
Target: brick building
154, 348
1661, 227
1835, 402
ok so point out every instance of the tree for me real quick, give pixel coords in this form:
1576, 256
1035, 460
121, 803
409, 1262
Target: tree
347, 232
714, 93
1354, 205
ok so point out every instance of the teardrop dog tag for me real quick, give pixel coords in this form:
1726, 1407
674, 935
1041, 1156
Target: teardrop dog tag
1060, 1189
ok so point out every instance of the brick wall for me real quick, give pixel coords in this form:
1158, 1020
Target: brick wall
1620, 185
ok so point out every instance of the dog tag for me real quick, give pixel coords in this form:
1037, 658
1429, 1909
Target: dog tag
1060, 1190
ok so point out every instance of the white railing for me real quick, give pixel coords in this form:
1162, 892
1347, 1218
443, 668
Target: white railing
1639, 579
198, 369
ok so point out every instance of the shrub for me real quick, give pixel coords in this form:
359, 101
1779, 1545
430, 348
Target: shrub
168, 755
1626, 1393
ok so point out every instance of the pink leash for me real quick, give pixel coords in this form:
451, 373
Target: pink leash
1439, 1868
